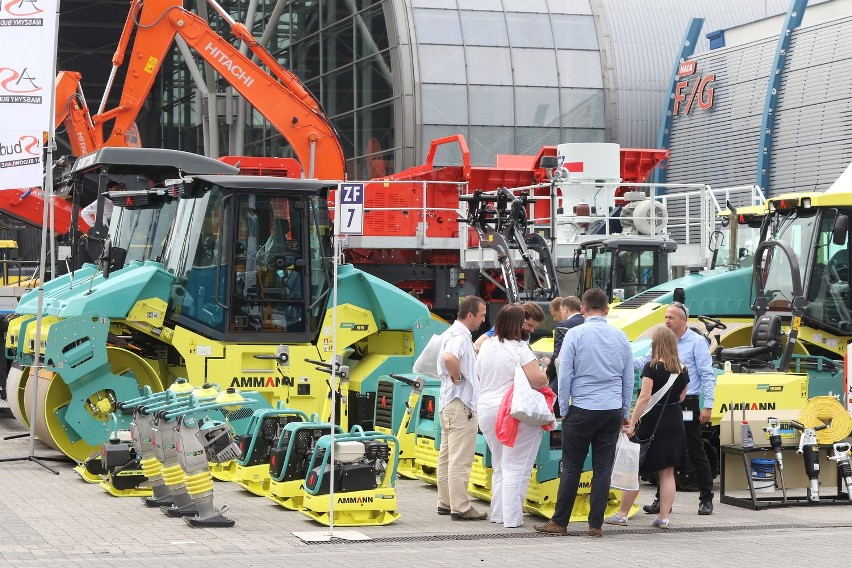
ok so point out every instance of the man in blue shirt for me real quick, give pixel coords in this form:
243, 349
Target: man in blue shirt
694, 353
596, 375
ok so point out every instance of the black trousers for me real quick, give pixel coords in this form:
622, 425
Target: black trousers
695, 448
582, 429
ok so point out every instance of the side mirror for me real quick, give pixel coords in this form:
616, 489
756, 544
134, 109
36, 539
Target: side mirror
840, 229
577, 255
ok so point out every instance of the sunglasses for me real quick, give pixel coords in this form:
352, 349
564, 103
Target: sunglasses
682, 308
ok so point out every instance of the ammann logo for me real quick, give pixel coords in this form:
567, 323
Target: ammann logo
747, 406
355, 500
256, 382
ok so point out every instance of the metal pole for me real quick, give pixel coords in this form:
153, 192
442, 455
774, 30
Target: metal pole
334, 361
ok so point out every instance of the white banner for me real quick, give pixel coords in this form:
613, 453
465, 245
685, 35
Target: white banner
20, 159
27, 68
26, 71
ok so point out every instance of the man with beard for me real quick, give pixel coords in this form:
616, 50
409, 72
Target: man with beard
533, 316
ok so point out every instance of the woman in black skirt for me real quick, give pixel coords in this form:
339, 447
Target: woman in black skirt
667, 449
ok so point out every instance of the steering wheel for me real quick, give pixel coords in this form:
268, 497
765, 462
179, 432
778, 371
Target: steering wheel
711, 323
837, 273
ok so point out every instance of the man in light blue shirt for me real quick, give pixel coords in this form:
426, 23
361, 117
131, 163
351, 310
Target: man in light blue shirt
694, 353
596, 375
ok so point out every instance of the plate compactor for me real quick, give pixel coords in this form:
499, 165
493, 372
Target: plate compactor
398, 400
290, 460
251, 469
364, 469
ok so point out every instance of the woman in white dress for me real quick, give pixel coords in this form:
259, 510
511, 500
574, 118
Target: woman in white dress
495, 368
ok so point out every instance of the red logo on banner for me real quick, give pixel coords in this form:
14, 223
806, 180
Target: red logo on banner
25, 143
23, 8
13, 81
30, 144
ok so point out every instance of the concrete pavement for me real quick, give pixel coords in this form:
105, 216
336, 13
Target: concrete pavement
59, 520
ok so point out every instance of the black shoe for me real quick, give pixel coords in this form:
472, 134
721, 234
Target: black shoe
653, 508
443, 510
705, 508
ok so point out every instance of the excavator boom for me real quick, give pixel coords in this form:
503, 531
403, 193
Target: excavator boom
278, 95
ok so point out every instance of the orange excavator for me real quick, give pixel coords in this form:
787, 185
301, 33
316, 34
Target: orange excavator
153, 26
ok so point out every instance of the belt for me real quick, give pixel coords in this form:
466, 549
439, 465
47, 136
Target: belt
691, 397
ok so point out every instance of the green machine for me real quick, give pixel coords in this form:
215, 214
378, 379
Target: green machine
219, 289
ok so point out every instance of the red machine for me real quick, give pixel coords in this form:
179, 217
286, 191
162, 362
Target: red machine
411, 227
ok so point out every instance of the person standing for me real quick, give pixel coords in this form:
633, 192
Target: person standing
533, 316
495, 369
596, 375
694, 352
662, 424
556, 309
570, 316
457, 404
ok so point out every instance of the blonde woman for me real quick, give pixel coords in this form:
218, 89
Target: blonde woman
667, 449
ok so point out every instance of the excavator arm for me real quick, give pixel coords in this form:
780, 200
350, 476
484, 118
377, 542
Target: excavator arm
278, 94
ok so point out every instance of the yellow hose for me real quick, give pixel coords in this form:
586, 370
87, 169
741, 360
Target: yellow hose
199, 483
821, 410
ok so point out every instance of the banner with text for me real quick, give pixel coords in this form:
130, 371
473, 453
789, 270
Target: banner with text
26, 72
28, 28
20, 159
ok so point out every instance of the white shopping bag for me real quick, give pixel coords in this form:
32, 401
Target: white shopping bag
625, 470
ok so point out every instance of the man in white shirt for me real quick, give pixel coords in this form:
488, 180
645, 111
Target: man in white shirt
457, 405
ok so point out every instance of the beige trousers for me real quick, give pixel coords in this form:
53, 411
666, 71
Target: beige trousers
458, 445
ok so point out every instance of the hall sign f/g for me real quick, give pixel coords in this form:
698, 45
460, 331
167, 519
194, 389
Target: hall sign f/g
689, 92
351, 210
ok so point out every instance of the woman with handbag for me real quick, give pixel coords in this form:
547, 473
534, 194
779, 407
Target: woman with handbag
661, 428
495, 367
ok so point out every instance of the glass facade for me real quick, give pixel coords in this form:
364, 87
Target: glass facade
510, 76
339, 50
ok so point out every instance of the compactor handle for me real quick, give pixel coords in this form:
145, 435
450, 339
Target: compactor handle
413, 383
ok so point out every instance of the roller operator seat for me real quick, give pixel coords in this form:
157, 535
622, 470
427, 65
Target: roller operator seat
765, 342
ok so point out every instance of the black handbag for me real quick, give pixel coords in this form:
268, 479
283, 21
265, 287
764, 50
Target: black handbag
645, 445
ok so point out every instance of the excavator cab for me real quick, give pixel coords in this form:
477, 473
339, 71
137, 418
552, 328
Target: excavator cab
249, 255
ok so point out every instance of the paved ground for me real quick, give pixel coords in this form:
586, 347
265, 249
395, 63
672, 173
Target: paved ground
58, 520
